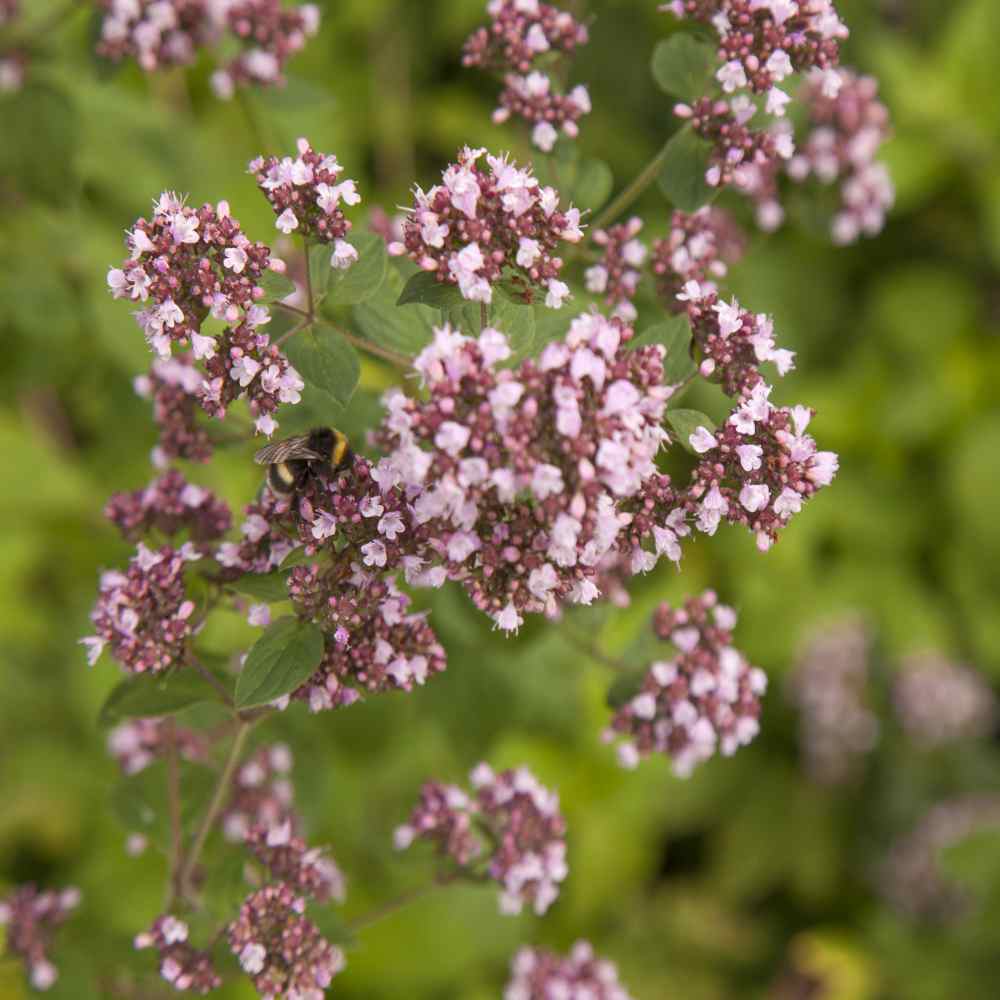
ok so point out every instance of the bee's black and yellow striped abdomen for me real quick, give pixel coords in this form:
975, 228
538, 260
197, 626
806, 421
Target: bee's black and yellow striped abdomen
323, 451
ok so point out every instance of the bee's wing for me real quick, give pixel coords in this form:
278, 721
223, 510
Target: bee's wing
282, 451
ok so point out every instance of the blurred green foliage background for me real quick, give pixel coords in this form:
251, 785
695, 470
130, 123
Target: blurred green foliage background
748, 880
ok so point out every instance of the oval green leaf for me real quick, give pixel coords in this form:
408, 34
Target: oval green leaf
685, 422
682, 66
682, 176
364, 277
282, 659
327, 361
147, 696
269, 587
424, 289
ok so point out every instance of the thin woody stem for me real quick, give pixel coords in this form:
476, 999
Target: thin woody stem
292, 309
632, 192
208, 676
214, 808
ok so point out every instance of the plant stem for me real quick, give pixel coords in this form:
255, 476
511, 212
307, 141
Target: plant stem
484, 317
214, 808
176, 859
298, 328
291, 309
632, 192
208, 676
399, 902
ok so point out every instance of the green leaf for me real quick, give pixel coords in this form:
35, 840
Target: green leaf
975, 860
276, 286
326, 360
593, 184
320, 271
675, 335
146, 696
282, 659
682, 176
407, 331
40, 128
268, 587
424, 289
515, 319
682, 66
364, 277
685, 422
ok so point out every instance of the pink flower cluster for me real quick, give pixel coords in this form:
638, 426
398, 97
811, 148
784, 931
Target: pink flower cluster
144, 614
306, 870
524, 839
244, 362
9, 9
182, 965
939, 702
31, 919
543, 975
262, 796
522, 31
519, 32
617, 275
170, 505
158, 33
699, 247
757, 469
731, 342
520, 474
837, 726
187, 264
306, 195
763, 42
270, 34
845, 134
135, 744
280, 949
365, 523
706, 697
739, 153
483, 225
174, 385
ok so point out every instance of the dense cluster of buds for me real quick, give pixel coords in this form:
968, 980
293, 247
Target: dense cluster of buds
288, 859
182, 965
135, 744
186, 264
306, 195
373, 643
763, 42
170, 504
246, 363
144, 614
31, 919
161, 33
939, 702
262, 795
519, 33
174, 386
732, 342
521, 472
758, 469
483, 225
264, 544
616, 276
699, 247
739, 153
706, 697
510, 820
830, 689
911, 878
845, 134
280, 949
542, 975
270, 34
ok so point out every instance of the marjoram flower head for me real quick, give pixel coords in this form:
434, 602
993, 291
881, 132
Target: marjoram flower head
511, 822
616, 276
483, 226
520, 475
31, 919
704, 698
307, 196
182, 965
536, 974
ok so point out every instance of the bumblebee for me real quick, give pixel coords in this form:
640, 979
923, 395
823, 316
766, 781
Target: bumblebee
292, 462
